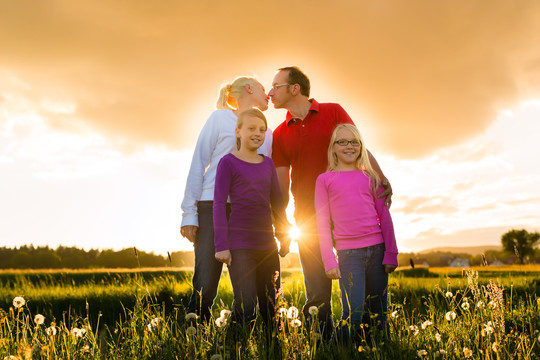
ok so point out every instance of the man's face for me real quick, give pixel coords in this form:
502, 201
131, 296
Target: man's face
279, 92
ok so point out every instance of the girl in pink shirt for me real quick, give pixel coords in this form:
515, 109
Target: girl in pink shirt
351, 219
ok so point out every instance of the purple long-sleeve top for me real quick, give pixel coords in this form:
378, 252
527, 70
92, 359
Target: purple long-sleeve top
254, 194
351, 217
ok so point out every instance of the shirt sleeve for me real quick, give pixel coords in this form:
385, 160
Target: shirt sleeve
387, 229
278, 154
341, 116
324, 222
221, 193
281, 223
202, 155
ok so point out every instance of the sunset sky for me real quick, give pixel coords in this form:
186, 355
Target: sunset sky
101, 103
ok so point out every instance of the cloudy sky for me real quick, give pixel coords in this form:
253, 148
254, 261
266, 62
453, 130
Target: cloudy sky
101, 103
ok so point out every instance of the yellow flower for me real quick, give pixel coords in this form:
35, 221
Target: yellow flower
360, 349
467, 352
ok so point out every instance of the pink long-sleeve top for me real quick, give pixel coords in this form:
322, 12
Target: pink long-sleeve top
351, 217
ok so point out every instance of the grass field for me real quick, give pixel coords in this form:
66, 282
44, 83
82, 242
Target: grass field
141, 314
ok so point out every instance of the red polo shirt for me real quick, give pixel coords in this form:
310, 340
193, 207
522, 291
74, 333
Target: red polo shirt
302, 144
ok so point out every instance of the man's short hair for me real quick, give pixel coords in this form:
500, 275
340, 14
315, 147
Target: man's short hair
296, 76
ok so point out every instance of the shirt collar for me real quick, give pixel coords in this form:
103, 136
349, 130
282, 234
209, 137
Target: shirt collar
314, 107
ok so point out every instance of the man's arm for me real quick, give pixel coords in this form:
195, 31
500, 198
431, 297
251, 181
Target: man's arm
384, 181
284, 182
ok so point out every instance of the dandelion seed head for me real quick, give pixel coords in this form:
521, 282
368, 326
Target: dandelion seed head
480, 304
221, 322
465, 306
422, 352
450, 316
39, 319
78, 333
225, 313
18, 302
295, 323
426, 324
438, 337
51, 331
292, 313
313, 310
191, 316
191, 331
449, 294
394, 314
283, 312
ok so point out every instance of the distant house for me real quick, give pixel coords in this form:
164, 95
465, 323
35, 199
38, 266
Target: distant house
425, 263
459, 262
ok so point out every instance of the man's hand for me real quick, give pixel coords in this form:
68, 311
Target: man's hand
334, 273
224, 257
387, 193
189, 232
284, 247
389, 268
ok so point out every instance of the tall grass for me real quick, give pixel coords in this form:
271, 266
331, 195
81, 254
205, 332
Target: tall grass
454, 315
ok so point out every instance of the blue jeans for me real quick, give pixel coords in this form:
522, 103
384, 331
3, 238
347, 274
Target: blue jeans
255, 278
318, 286
363, 282
207, 269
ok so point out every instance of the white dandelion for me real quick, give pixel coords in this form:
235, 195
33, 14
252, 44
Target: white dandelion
465, 306
18, 302
225, 313
480, 304
313, 310
438, 337
51, 331
422, 352
296, 323
78, 333
221, 322
191, 331
292, 313
426, 324
191, 316
283, 312
449, 294
39, 319
495, 346
450, 316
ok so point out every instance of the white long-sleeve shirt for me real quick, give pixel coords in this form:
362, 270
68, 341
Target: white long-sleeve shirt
217, 139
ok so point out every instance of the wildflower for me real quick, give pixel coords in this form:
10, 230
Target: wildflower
191, 330
480, 304
313, 310
414, 328
538, 301
394, 314
51, 331
450, 316
191, 316
220, 322
216, 357
488, 329
39, 319
155, 322
438, 337
225, 313
426, 324
492, 304
292, 313
440, 352
449, 294
283, 312
495, 346
465, 306
360, 349
422, 353
78, 333
18, 302
11, 357
86, 349
467, 352
296, 323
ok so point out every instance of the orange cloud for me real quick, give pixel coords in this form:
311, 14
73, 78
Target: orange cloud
423, 74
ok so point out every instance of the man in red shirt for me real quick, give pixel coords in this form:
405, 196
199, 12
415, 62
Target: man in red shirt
300, 144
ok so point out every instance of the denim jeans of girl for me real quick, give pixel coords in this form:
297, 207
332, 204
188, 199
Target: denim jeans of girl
363, 285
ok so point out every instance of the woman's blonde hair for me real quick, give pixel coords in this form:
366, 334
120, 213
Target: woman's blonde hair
253, 112
362, 161
230, 92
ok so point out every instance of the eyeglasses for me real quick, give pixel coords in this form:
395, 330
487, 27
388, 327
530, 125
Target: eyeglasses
276, 86
343, 142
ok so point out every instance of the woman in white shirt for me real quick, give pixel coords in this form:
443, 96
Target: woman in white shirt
217, 138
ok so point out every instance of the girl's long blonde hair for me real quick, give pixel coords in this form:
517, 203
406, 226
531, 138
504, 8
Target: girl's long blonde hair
230, 92
362, 161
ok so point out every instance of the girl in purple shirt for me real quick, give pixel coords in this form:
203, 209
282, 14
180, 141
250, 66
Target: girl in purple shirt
354, 221
245, 240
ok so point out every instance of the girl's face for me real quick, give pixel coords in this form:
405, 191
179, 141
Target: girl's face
251, 133
346, 147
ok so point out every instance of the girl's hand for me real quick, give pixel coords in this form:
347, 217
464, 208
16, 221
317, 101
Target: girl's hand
283, 249
224, 257
334, 273
389, 268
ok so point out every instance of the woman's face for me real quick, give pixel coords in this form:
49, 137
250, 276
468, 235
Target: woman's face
259, 96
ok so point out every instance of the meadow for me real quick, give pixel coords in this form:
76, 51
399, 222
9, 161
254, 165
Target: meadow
440, 313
